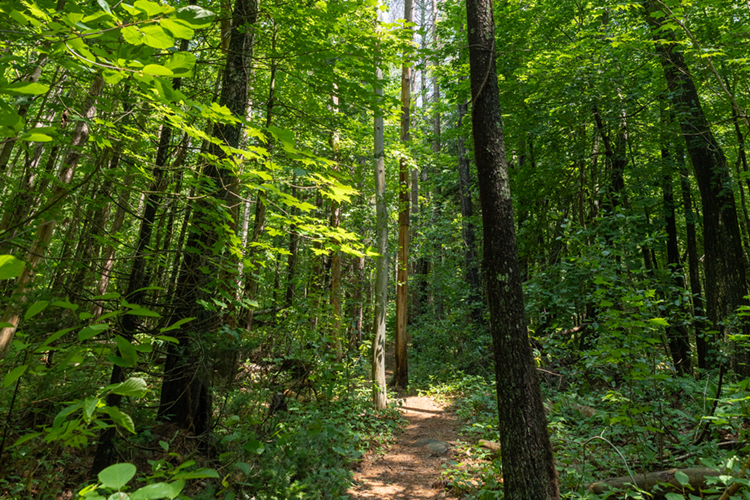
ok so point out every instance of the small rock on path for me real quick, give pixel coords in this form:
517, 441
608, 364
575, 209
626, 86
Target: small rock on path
411, 467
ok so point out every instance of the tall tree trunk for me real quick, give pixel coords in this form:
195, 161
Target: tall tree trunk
185, 396
699, 324
468, 231
138, 279
527, 460
401, 372
47, 227
724, 262
379, 395
677, 333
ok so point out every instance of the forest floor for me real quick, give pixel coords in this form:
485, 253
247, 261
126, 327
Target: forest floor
410, 467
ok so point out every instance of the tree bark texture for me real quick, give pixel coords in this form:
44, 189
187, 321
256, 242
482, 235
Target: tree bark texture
185, 396
724, 260
46, 229
527, 460
401, 372
379, 396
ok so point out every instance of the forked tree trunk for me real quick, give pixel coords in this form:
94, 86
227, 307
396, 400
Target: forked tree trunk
527, 460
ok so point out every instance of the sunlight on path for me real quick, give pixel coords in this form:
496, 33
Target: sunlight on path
410, 468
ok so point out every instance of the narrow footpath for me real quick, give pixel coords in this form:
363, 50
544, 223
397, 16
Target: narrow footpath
410, 467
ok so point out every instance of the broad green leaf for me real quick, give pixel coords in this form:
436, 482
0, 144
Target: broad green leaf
157, 70
65, 305
120, 418
153, 491
92, 331
116, 476
24, 88
112, 77
105, 6
197, 474
150, 8
35, 309
254, 446
54, 337
63, 414
127, 351
659, 321
10, 267
194, 16
155, 37
682, 478
141, 311
180, 62
14, 375
27, 437
133, 387
33, 136
674, 496
89, 406
178, 28
107, 296
132, 35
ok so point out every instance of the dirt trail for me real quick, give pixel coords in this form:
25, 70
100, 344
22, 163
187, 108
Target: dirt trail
411, 466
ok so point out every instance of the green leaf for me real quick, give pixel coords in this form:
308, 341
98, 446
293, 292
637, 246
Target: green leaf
10, 267
150, 8
180, 62
176, 325
682, 478
254, 446
157, 70
65, 305
89, 405
120, 418
107, 296
659, 321
144, 312
178, 28
112, 77
194, 16
674, 496
153, 491
35, 136
27, 437
54, 337
105, 6
116, 476
155, 37
133, 387
127, 351
24, 88
36, 309
197, 474
92, 331
14, 375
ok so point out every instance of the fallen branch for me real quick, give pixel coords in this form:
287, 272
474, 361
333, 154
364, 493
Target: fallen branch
646, 482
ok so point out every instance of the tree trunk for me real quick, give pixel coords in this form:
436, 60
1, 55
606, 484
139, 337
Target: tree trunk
401, 371
379, 396
677, 333
47, 227
724, 261
185, 397
527, 460
468, 231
